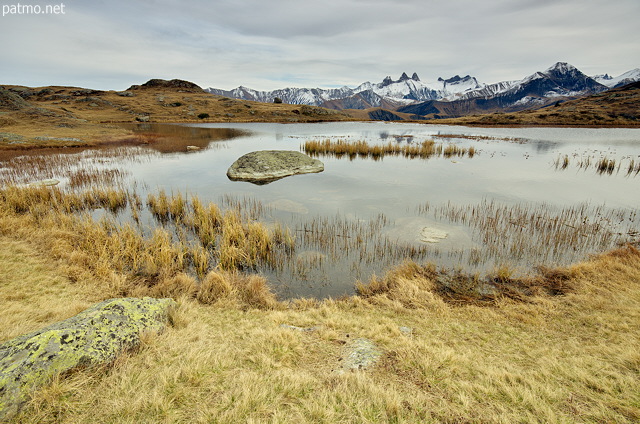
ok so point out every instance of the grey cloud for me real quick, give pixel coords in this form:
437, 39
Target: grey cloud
271, 44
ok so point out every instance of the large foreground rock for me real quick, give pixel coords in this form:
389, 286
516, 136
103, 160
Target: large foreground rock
92, 337
265, 166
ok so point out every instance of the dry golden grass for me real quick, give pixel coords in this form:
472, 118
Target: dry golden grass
362, 149
563, 349
562, 359
71, 116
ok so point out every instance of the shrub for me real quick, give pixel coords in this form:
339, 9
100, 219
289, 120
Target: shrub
277, 100
203, 115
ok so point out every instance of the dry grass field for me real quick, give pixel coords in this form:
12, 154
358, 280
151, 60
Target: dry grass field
564, 352
71, 116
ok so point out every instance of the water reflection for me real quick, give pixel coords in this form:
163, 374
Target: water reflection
168, 138
380, 212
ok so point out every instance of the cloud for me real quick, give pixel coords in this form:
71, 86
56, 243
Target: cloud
267, 45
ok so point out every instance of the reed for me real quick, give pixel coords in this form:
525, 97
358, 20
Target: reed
177, 206
606, 165
83, 168
159, 205
538, 233
362, 149
136, 259
87, 177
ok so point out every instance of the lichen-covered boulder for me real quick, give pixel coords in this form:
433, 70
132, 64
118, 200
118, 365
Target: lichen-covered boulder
94, 336
265, 166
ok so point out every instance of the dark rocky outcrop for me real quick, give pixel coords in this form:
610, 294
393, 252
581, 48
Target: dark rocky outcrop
384, 115
174, 84
12, 101
265, 166
95, 336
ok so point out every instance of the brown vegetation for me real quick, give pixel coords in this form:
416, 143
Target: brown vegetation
566, 352
71, 116
362, 149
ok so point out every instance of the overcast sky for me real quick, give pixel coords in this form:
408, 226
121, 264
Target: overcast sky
268, 44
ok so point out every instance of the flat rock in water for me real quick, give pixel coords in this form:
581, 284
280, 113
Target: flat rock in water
265, 166
432, 235
92, 337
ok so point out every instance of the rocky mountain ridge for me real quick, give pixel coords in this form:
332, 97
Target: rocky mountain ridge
455, 96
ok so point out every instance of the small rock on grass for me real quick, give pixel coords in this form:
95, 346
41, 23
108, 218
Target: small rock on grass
360, 354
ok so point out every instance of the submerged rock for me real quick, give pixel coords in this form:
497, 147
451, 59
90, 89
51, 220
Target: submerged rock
92, 337
287, 205
432, 235
265, 166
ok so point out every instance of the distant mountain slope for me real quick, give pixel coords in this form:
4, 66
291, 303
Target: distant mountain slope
559, 82
618, 107
455, 96
619, 81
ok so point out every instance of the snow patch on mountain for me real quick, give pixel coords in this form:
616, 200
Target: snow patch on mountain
560, 80
623, 79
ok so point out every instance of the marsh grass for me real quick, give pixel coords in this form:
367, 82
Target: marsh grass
554, 358
603, 165
133, 259
362, 149
415, 285
539, 233
83, 169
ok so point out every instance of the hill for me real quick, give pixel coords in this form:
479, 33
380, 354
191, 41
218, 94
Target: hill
74, 116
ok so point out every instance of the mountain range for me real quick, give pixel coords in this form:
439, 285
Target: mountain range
452, 97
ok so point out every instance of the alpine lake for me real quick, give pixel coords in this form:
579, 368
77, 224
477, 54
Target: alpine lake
525, 197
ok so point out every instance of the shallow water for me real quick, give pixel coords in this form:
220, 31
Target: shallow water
407, 201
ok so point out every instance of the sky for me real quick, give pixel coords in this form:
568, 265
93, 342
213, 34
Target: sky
269, 44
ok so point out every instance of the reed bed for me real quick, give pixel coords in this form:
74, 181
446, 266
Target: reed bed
82, 169
233, 238
362, 149
603, 165
195, 239
87, 177
540, 233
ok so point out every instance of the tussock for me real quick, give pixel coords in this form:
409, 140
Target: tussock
362, 149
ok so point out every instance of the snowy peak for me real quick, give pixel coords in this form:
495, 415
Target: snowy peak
562, 68
623, 79
560, 80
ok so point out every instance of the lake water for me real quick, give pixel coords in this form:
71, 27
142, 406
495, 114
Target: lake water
516, 202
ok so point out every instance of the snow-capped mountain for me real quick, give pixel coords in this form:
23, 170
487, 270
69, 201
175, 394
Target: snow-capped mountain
561, 80
615, 82
406, 90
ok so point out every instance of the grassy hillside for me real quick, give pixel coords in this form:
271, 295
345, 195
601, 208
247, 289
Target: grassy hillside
72, 116
564, 352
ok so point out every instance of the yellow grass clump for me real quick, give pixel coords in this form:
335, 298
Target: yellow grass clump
423, 150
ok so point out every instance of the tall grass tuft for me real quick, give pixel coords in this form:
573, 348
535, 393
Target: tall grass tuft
423, 150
